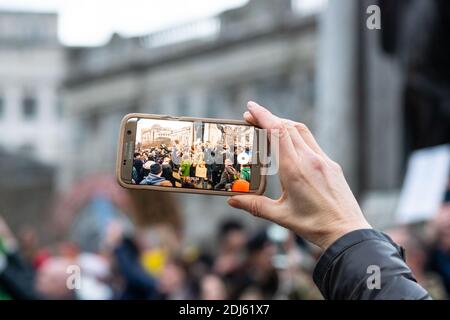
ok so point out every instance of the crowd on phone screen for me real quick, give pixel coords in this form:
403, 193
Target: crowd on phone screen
199, 166
154, 263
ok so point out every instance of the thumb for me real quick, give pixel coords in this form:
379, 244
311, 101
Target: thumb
259, 206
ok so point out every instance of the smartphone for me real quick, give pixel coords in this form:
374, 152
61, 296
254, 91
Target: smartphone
189, 155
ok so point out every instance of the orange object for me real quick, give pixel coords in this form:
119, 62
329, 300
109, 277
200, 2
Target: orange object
240, 186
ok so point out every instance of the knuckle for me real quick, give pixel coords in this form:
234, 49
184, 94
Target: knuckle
279, 129
255, 208
317, 163
279, 124
301, 127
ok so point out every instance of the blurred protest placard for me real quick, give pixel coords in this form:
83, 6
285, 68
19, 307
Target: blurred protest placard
425, 184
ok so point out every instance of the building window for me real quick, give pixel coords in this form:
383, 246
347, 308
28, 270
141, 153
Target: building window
183, 104
218, 103
29, 106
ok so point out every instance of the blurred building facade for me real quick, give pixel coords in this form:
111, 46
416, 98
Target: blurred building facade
264, 51
32, 68
326, 70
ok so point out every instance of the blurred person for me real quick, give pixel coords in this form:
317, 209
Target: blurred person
248, 151
198, 156
134, 175
198, 165
212, 288
294, 262
318, 205
16, 275
198, 263
167, 171
51, 279
144, 262
209, 156
417, 259
158, 243
202, 174
226, 153
146, 168
154, 178
230, 257
68, 249
229, 175
188, 183
173, 282
231, 249
138, 283
96, 271
28, 242
192, 153
246, 172
257, 271
42, 255
207, 149
8, 241
215, 168
176, 154
219, 161
185, 167
236, 152
137, 165
299, 286
438, 237
260, 271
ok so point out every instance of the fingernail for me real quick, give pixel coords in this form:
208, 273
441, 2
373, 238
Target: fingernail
251, 104
231, 201
246, 114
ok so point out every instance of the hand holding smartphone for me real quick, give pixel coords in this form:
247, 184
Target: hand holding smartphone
190, 155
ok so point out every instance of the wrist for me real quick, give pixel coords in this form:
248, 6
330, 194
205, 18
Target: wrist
333, 235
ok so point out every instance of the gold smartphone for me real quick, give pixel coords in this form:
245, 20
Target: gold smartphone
190, 155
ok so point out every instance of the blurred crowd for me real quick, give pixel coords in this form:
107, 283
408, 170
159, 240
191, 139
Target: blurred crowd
427, 250
153, 262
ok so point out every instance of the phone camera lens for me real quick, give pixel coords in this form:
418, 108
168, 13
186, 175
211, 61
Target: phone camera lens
129, 132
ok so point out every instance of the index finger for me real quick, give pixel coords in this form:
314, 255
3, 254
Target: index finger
276, 128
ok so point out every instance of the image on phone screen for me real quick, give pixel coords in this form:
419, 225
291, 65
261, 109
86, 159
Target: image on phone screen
192, 154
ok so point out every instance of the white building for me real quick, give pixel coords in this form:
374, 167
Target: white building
32, 67
154, 135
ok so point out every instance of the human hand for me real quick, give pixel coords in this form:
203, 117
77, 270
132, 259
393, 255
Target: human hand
316, 201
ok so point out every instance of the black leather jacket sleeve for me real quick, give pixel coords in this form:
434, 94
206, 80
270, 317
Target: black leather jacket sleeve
350, 267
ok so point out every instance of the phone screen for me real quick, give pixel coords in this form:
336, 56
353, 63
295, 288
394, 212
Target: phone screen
192, 154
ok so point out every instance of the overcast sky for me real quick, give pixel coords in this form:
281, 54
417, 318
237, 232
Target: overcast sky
91, 22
